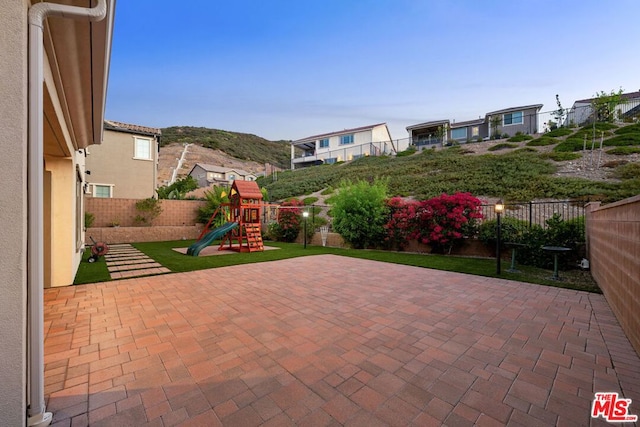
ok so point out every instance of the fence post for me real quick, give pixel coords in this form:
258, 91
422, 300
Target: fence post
530, 213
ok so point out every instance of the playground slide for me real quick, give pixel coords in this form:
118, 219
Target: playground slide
207, 239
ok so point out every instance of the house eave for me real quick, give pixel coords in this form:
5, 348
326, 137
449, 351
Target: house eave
79, 54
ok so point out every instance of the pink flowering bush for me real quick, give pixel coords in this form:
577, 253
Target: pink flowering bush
287, 227
439, 222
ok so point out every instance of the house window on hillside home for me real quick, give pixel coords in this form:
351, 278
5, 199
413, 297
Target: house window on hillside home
142, 149
514, 118
459, 133
102, 191
346, 139
475, 131
330, 160
324, 143
231, 177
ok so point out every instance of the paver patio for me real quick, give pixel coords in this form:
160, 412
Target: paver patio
329, 340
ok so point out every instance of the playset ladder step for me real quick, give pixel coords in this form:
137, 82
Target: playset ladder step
254, 237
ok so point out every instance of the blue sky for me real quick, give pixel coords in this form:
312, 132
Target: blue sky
285, 69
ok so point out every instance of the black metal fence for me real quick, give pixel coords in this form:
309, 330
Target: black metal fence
537, 213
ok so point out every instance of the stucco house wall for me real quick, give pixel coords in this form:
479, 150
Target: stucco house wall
13, 212
114, 163
74, 60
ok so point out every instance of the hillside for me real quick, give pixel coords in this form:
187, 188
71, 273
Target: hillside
237, 145
522, 168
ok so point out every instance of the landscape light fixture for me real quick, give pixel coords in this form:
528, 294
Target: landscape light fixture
305, 215
498, 208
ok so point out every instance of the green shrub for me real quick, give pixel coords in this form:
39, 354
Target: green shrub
327, 191
620, 140
309, 200
359, 212
570, 145
289, 222
560, 156
519, 137
89, 219
627, 171
511, 230
502, 146
148, 210
628, 129
623, 151
559, 132
178, 189
541, 142
411, 150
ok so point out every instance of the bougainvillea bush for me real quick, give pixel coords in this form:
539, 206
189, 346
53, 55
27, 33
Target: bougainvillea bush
287, 227
440, 222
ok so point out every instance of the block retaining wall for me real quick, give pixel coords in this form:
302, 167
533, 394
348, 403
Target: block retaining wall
174, 212
112, 235
613, 250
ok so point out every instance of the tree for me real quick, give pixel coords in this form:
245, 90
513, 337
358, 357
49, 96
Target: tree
604, 105
360, 213
495, 123
559, 113
215, 197
178, 189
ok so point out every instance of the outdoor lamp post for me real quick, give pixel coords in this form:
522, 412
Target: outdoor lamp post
499, 208
305, 215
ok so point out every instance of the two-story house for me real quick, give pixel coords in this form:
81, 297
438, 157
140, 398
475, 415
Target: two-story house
208, 175
125, 165
344, 145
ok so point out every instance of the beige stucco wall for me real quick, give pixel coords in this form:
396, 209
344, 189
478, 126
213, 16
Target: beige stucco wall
13, 212
62, 255
112, 162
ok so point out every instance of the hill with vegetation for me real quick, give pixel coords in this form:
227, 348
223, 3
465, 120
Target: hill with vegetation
242, 146
521, 168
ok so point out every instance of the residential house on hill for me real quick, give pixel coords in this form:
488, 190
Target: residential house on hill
125, 165
54, 63
582, 112
513, 120
344, 145
506, 121
208, 175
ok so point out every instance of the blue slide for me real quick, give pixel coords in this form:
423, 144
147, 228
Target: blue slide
207, 239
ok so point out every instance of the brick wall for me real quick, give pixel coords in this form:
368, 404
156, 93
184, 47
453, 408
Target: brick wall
174, 212
613, 250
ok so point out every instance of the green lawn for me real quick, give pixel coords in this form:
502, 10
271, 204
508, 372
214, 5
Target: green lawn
162, 253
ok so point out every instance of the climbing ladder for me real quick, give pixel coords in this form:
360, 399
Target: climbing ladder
254, 237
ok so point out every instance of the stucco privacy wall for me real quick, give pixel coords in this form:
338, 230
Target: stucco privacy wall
174, 212
13, 212
613, 245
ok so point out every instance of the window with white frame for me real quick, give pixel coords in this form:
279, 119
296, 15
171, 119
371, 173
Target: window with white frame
346, 139
459, 133
324, 143
514, 118
142, 149
231, 177
330, 160
102, 190
475, 131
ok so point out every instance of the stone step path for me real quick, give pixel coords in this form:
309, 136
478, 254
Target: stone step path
124, 261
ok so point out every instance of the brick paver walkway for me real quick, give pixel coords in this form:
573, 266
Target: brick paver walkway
125, 261
328, 340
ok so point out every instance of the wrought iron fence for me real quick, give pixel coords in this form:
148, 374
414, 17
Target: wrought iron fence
537, 213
